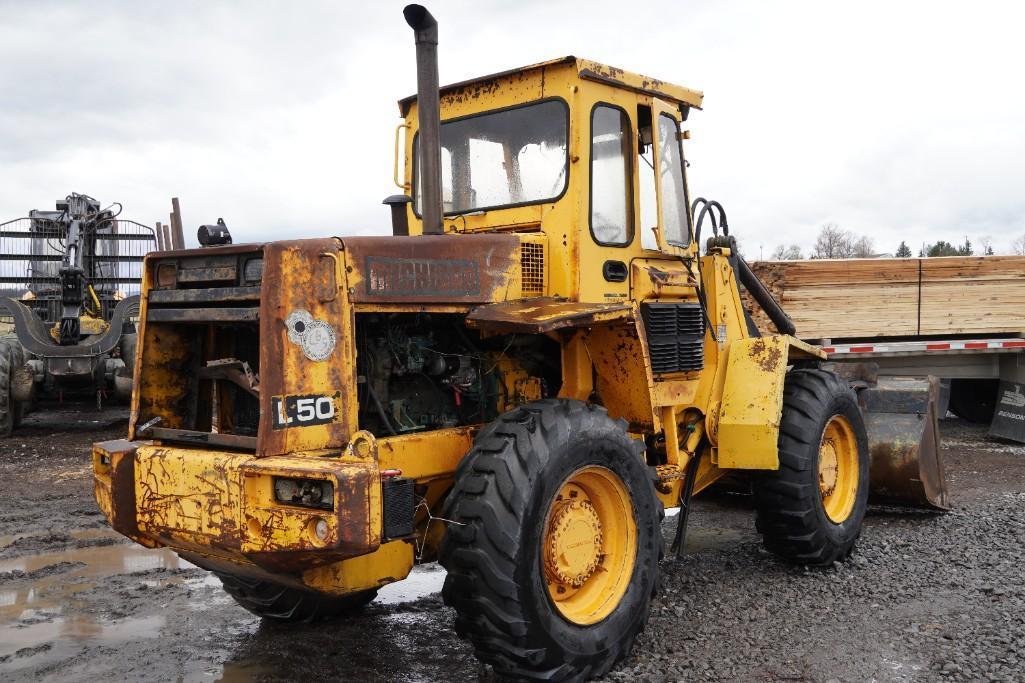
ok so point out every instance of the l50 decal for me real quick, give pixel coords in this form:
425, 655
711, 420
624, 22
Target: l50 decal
305, 410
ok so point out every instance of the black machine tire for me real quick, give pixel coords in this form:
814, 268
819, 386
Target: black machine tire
17, 359
791, 514
7, 408
285, 604
18, 355
974, 400
504, 489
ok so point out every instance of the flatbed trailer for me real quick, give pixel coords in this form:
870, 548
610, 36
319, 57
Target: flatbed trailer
982, 380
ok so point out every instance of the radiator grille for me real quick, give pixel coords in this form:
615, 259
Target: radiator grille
532, 269
676, 337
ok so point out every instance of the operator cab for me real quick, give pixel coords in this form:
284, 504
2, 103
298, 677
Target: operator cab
588, 155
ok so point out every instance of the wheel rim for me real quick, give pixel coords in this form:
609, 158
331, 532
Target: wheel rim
589, 545
838, 469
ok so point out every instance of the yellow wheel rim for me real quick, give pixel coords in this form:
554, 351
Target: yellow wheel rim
838, 469
589, 545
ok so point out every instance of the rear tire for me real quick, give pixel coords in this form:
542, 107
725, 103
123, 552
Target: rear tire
516, 507
285, 604
974, 400
811, 509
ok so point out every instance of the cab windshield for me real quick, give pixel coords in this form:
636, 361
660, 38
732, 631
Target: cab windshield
504, 158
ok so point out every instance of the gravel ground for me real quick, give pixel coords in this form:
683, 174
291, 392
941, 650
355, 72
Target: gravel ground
926, 597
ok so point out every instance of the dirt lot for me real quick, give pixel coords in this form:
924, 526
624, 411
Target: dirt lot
927, 597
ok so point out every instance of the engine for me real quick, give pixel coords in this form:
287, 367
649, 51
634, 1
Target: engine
424, 371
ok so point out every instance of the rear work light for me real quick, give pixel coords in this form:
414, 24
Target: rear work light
253, 270
167, 275
311, 493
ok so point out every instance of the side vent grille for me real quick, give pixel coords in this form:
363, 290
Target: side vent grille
676, 337
399, 507
532, 269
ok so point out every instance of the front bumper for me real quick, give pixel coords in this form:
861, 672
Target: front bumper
218, 508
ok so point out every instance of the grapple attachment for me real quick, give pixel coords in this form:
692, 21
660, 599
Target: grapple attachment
903, 439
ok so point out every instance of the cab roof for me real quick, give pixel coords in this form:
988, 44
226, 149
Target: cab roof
588, 70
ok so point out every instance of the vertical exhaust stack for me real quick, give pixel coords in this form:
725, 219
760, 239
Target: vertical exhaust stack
425, 28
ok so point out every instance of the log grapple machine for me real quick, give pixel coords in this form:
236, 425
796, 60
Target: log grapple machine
69, 284
517, 382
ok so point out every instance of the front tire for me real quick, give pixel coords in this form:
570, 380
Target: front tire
553, 546
811, 509
276, 602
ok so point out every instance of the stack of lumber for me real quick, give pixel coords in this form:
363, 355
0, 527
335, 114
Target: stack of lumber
864, 298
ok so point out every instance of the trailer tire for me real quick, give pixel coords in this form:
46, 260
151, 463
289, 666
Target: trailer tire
974, 400
276, 602
531, 476
811, 509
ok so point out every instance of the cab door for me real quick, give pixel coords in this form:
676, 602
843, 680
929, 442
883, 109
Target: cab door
675, 234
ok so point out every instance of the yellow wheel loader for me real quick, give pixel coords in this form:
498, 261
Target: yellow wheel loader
517, 383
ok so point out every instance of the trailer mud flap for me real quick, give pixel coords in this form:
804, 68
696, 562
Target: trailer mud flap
903, 438
1009, 416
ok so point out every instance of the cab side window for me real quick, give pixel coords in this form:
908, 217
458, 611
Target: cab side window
675, 219
611, 180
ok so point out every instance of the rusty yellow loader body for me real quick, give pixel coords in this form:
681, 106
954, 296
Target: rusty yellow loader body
517, 382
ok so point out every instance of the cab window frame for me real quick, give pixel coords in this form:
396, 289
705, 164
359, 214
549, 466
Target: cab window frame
631, 228
686, 188
567, 168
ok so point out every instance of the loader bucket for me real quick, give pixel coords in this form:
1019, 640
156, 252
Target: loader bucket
903, 439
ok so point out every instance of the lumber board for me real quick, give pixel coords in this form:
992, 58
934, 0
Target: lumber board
868, 298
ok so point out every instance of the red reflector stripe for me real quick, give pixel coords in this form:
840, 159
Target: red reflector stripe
1013, 344
937, 347
976, 345
861, 349
829, 349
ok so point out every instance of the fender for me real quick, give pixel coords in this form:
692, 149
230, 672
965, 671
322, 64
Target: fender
752, 401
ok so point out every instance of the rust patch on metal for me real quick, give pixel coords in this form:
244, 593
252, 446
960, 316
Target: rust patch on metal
432, 268
766, 355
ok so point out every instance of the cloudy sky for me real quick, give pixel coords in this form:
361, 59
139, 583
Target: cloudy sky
898, 120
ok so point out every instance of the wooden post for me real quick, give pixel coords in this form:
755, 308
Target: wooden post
167, 237
160, 238
179, 231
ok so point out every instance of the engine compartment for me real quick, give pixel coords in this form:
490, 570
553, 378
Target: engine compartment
424, 371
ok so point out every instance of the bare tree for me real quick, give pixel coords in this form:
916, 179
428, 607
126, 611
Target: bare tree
986, 242
1018, 245
784, 253
863, 247
833, 242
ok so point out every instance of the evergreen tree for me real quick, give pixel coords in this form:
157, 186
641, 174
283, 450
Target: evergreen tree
903, 251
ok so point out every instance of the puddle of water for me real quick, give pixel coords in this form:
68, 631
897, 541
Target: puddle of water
43, 618
84, 566
61, 639
87, 534
80, 569
239, 672
713, 538
424, 580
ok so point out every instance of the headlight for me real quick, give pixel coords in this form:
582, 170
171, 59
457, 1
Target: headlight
253, 270
313, 493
